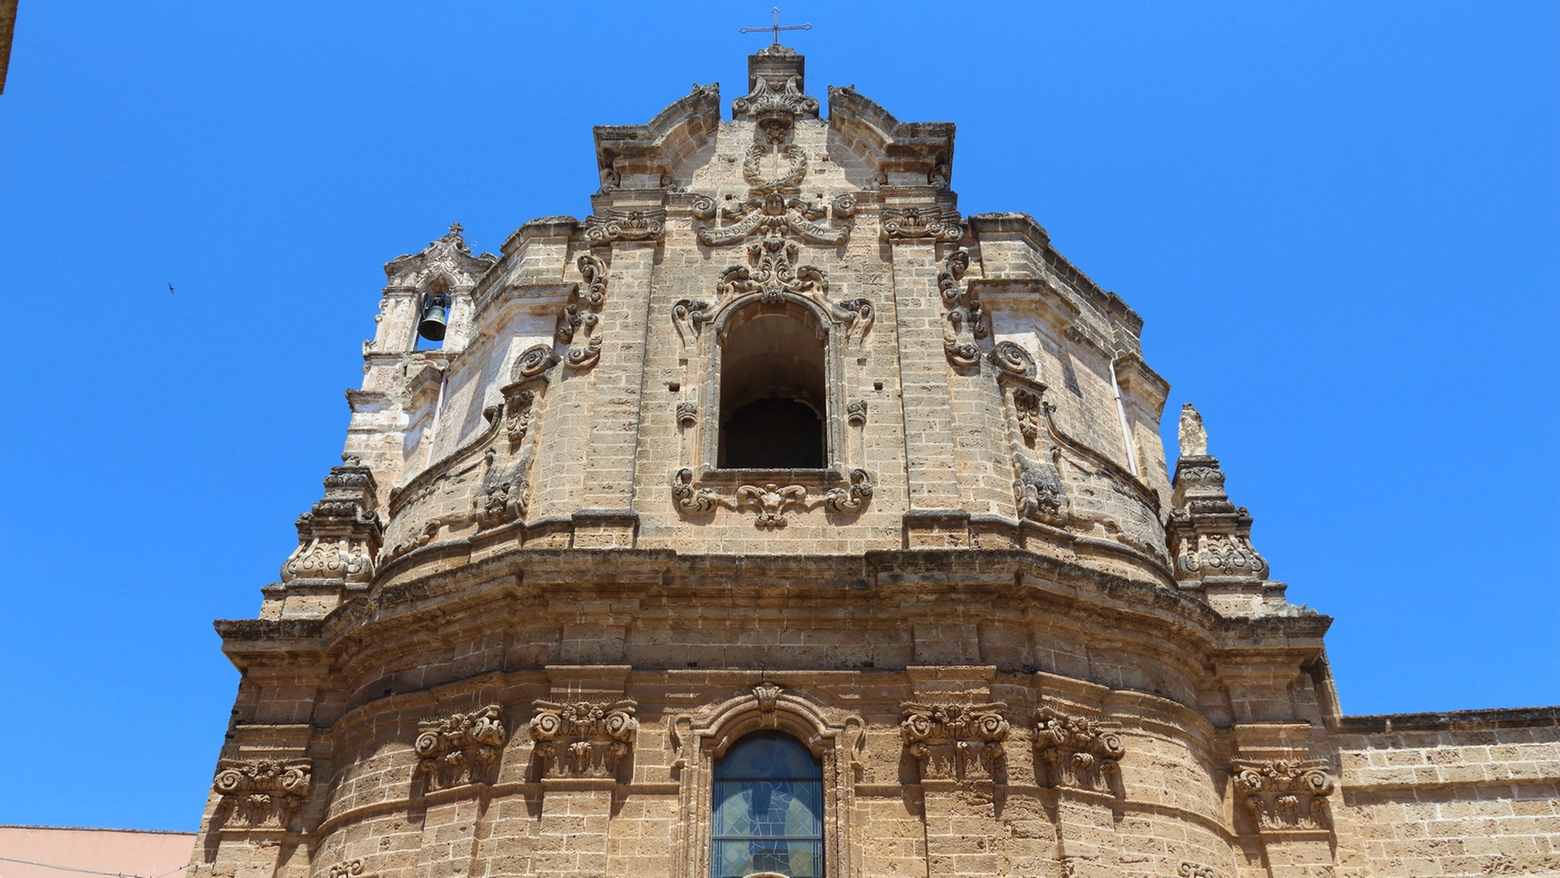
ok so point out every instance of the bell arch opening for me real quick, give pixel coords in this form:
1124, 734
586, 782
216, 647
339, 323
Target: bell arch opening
773, 396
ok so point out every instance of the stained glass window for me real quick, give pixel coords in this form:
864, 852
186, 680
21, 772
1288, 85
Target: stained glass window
768, 810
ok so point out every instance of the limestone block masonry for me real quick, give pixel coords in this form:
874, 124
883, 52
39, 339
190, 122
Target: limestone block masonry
776, 441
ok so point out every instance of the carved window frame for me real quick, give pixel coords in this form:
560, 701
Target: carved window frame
711, 355
701, 740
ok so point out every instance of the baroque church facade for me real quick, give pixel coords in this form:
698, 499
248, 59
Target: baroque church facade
779, 519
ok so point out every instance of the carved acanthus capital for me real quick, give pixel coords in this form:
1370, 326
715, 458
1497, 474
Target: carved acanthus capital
462, 747
955, 741
928, 223
339, 537
261, 793
626, 225
584, 738
1078, 752
1210, 538
856, 412
1284, 795
768, 695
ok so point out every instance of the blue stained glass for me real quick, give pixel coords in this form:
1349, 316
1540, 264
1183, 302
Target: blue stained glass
768, 801
765, 757
798, 859
768, 809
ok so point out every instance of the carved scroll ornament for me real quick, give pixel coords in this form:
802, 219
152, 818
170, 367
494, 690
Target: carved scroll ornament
1011, 357
340, 535
1284, 795
462, 747
347, 869
771, 502
955, 741
263, 793
532, 362
929, 223
964, 320
577, 325
626, 225
583, 738
1209, 537
1078, 752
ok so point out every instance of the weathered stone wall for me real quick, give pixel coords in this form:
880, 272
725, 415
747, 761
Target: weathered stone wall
1466, 793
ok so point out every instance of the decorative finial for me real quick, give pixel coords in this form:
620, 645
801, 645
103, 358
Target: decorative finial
1194, 439
456, 228
777, 27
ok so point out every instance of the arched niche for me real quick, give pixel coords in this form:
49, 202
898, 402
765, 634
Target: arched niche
772, 389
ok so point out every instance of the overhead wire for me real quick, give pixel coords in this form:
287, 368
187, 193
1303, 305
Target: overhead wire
89, 871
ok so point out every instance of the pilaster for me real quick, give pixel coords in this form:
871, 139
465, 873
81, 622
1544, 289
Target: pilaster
955, 734
928, 415
584, 734
617, 410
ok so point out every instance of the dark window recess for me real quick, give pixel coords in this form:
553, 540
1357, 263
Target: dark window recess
774, 434
772, 391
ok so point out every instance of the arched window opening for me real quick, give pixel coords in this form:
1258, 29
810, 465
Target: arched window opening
768, 810
772, 396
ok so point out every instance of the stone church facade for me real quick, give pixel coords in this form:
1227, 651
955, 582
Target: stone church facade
778, 518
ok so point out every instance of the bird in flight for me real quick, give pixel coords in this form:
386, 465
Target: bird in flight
170, 289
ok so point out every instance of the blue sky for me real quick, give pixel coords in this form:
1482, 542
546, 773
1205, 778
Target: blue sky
1338, 220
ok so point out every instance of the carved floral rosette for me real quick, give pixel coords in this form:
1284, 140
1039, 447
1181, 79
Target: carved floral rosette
961, 742
461, 747
261, 793
583, 738
1077, 751
1285, 795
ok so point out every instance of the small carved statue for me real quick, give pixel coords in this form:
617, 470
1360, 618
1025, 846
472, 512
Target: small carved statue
1194, 439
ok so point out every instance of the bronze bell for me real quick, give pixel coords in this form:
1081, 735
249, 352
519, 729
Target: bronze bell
432, 324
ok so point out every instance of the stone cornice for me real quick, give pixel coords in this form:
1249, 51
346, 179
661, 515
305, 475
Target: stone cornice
1049, 584
1451, 720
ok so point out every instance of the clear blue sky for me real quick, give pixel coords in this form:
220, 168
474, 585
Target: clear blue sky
1339, 221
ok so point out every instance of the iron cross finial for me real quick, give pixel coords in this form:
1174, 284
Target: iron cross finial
777, 27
